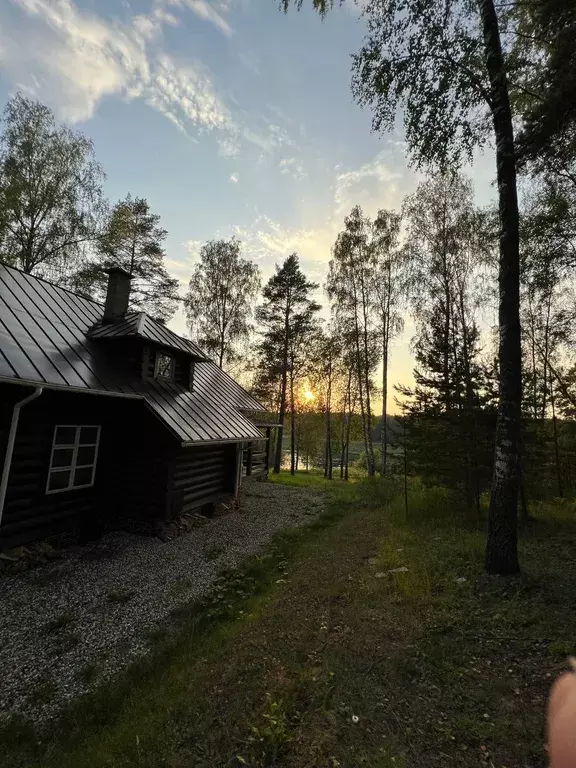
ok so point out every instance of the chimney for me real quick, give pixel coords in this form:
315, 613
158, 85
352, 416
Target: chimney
117, 294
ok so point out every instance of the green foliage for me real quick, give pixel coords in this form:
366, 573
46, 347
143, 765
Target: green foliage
544, 65
270, 738
427, 58
220, 297
134, 240
51, 201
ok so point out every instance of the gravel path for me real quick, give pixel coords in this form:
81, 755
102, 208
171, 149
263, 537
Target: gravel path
68, 626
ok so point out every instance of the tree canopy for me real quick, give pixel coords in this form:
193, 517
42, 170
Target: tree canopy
51, 202
220, 299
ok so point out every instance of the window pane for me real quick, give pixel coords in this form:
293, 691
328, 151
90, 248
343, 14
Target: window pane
164, 365
65, 436
85, 456
83, 476
59, 480
88, 435
62, 457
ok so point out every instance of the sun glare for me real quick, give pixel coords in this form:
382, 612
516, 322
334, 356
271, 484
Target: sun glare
308, 395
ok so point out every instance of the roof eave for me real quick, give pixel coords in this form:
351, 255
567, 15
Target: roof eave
67, 388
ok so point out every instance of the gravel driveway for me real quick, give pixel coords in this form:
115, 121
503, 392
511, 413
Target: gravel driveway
67, 626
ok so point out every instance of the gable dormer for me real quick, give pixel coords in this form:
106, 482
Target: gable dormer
143, 344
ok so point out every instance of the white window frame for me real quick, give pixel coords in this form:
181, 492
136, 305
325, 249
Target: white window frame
172, 367
74, 465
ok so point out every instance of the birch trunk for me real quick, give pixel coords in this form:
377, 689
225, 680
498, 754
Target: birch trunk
502, 542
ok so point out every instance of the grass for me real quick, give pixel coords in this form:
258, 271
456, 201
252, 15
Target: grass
321, 653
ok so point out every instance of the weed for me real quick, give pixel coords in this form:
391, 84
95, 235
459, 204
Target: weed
157, 635
180, 587
120, 596
42, 692
60, 622
562, 648
66, 642
268, 739
88, 673
213, 553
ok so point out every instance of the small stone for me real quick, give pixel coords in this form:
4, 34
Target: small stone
401, 569
460, 580
379, 575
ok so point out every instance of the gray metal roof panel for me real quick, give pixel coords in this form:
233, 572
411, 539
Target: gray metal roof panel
209, 377
47, 337
144, 326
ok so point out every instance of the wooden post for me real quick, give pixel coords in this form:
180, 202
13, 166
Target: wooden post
239, 457
249, 459
268, 433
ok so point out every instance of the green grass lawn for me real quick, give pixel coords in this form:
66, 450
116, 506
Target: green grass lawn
320, 653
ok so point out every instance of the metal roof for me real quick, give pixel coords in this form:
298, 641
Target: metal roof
142, 325
45, 339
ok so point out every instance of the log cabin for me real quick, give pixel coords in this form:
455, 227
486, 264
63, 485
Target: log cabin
108, 417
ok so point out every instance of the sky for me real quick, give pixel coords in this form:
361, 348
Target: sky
229, 116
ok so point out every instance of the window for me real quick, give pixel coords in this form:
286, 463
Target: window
73, 459
164, 366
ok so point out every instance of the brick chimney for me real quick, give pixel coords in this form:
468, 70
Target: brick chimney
117, 294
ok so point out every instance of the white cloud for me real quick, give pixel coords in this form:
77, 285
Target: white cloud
234, 178
289, 166
73, 59
373, 185
185, 94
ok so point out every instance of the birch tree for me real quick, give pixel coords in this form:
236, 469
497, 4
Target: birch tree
220, 299
350, 288
51, 202
387, 293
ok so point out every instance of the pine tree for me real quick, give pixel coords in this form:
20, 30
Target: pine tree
287, 315
134, 240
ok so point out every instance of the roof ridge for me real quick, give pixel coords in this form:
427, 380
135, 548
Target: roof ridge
49, 282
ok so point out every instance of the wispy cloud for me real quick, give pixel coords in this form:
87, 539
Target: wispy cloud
289, 166
208, 12
375, 184
234, 178
72, 59
379, 183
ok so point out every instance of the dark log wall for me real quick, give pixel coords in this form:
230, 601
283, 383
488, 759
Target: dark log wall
132, 471
202, 474
141, 473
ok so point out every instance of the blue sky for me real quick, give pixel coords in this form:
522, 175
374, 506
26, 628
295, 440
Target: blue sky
227, 115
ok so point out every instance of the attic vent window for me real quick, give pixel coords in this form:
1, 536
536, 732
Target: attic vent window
164, 366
